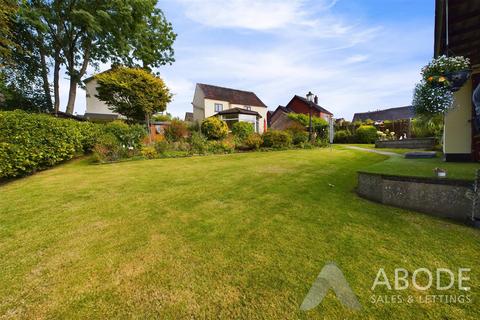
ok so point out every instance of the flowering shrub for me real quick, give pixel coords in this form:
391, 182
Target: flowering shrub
431, 100
214, 128
444, 65
433, 95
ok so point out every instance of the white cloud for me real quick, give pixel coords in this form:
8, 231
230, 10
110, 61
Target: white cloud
281, 48
247, 14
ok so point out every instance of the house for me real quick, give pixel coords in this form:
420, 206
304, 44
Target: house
97, 110
391, 114
231, 105
459, 36
189, 116
279, 119
309, 104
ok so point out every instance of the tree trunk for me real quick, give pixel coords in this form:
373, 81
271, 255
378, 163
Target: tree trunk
46, 84
56, 80
76, 76
72, 94
147, 120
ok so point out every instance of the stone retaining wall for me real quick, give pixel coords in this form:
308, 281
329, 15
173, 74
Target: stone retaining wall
437, 197
420, 143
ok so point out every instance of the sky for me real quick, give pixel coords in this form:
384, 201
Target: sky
356, 55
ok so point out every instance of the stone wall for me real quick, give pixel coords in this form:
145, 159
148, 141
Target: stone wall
418, 143
438, 197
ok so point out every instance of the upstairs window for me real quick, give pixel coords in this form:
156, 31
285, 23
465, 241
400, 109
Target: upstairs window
218, 107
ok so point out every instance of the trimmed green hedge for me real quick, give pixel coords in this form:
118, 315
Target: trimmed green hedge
31, 142
366, 134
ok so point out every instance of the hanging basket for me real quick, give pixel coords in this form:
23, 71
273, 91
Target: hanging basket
458, 79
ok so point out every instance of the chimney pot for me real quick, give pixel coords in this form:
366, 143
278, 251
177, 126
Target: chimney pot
316, 100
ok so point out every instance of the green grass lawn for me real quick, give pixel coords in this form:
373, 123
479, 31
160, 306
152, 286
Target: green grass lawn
419, 167
372, 147
241, 236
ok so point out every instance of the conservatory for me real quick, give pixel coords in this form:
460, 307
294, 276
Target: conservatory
231, 116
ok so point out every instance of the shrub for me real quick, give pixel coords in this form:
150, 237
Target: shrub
108, 148
31, 142
366, 134
214, 128
277, 139
343, 136
198, 143
253, 142
149, 152
176, 131
183, 146
129, 136
242, 130
299, 135
161, 146
221, 146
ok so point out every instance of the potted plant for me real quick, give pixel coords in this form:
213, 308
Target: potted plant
450, 72
440, 173
442, 76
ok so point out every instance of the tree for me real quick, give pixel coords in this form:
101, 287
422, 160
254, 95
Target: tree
83, 33
133, 92
7, 10
119, 31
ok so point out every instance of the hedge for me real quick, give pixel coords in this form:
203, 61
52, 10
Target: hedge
367, 134
31, 142
277, 139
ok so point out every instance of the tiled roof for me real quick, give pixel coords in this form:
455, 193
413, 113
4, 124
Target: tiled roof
314, 105
391, 114
234, 96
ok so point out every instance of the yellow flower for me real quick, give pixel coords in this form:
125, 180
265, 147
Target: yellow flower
442, 79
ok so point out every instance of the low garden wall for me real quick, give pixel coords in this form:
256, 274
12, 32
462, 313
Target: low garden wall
441, 198
418, 143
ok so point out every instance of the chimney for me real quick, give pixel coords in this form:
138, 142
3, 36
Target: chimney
315, 100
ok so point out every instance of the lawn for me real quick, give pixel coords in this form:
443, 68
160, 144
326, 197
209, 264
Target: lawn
394, 150
241, 236
419, 167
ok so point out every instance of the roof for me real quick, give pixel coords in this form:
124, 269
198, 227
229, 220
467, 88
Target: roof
391, 114
100, 116
234, 96
313, 105
281, 109
463, 29
239, 111
189, 116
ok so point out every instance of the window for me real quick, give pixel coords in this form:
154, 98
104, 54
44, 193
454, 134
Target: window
248, 108
218, 107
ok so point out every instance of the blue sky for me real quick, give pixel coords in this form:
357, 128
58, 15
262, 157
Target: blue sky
355, 55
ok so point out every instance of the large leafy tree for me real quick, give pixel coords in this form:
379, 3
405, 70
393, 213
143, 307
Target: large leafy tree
7, 10
82, 33
133, 92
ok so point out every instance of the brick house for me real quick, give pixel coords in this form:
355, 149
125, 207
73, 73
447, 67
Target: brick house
279, 119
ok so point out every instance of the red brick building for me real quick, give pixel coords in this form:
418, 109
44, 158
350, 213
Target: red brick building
303, 105
279, 119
